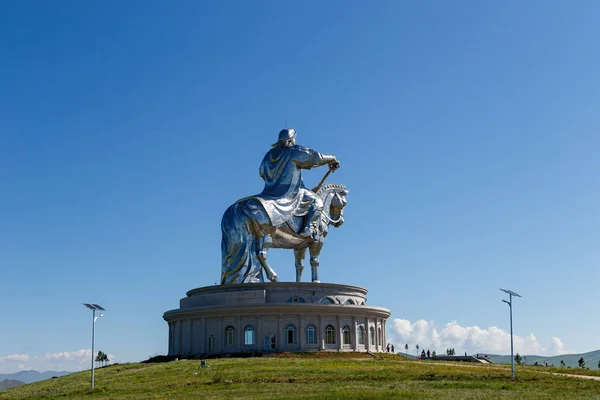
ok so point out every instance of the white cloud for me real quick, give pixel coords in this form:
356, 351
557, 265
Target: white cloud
76, 356
471, 339
557, 347
15, 357
77, 360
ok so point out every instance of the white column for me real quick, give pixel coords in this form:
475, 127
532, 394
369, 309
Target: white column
177, 347
205, 341
191, 338
340, 333
368, 333
279, 340
300, 338
170, 338
240, 341
259, 340
221, 336
376, 335
321, 332
384, 333
354, 334
202, 337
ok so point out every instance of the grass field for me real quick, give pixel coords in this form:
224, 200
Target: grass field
313, 376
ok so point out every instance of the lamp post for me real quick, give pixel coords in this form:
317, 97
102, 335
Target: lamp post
509, 302
94, 308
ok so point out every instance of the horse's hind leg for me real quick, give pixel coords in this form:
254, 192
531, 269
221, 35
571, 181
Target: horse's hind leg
263, 246
315, 251
299, 254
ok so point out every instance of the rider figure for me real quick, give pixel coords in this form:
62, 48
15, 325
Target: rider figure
284, 195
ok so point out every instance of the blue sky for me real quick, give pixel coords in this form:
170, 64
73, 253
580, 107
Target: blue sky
467, 134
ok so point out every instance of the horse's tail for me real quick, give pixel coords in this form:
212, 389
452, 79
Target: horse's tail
238, 264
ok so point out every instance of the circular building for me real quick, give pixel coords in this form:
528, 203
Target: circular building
275, 317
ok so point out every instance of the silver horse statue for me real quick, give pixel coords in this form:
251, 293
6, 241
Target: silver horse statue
248, 234
284, 215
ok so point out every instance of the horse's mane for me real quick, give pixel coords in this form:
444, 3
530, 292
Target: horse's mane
330, 187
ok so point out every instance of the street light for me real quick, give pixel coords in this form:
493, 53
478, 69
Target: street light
94, 308
509, 302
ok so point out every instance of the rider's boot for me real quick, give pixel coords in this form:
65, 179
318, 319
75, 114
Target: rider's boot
310, 229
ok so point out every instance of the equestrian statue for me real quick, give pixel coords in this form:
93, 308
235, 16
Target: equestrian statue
285, 215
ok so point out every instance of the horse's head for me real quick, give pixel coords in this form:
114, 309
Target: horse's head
334, 201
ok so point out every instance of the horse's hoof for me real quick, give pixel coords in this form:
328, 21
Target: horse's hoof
315, 281
274, 279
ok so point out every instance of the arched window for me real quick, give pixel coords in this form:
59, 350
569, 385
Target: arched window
346, 332
211, 343
326, 300
329, 335
296, 299
290, 334
371, 336
248, 335
311, 334
229, 335
349, 301
360, 332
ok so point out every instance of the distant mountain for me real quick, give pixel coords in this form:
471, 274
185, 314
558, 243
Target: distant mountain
32, 376
10, 383
571, 360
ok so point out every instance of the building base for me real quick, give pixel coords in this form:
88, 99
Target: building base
275, 317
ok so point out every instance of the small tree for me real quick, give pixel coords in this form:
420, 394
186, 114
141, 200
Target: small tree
433, 355
598, 364
99, 357
406, 350
105, 359
417, 346
518, 359
562, 363
581, 363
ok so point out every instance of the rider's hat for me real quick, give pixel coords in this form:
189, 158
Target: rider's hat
285, 135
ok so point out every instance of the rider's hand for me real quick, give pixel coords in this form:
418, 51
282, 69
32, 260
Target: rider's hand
335, 164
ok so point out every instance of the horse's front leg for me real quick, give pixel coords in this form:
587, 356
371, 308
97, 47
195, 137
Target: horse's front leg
299, 254
315, 251
263, 245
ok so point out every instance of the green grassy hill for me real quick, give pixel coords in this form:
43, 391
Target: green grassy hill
312, 376
591, 359
10, 383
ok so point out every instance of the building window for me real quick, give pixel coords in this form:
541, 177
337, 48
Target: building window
311, 334
346, 332
290, 334
229, 335
349, 301
371, 336
248, 335
326, 300
329, 335
360, 332
296, 299
211, 343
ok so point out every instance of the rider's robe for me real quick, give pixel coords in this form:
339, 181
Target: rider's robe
284, 194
